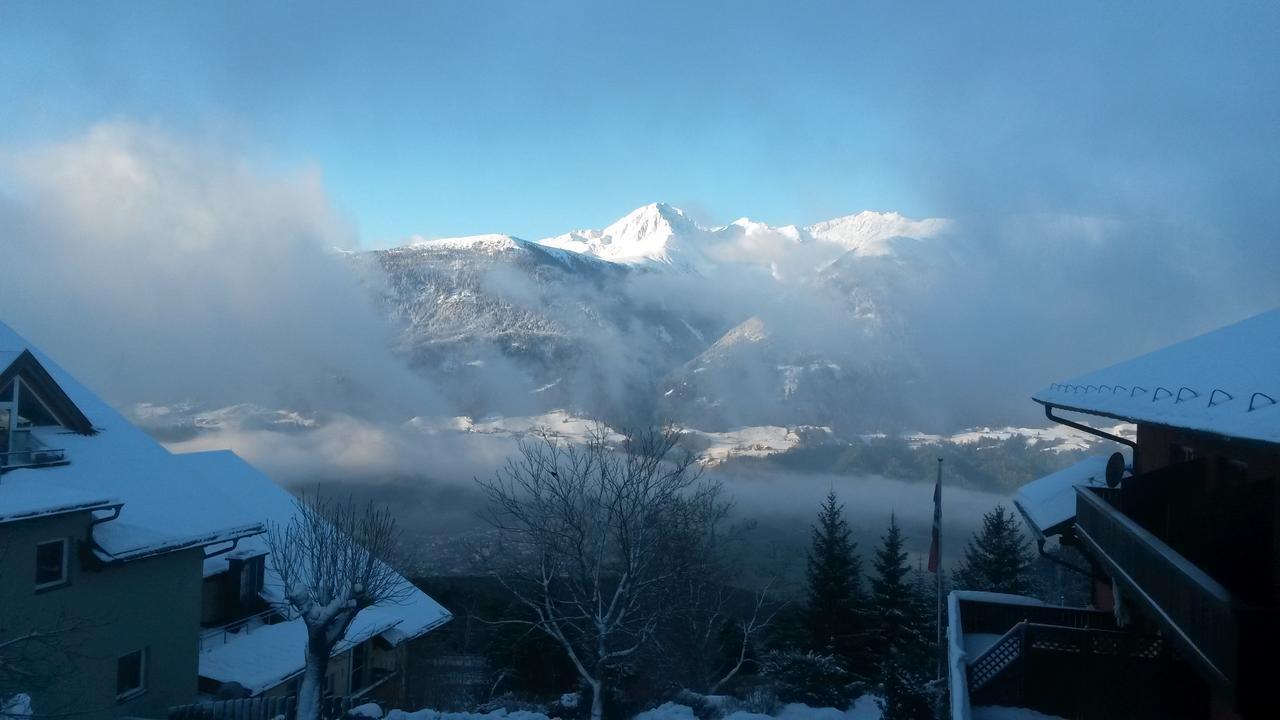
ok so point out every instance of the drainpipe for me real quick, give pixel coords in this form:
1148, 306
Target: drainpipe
1048, 412
89, 560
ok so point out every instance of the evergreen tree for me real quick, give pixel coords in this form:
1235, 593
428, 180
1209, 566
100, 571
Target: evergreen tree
998, 557
898, 607
833, 615
901, 645
903, 695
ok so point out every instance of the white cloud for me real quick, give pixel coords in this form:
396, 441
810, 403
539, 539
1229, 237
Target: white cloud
162, 268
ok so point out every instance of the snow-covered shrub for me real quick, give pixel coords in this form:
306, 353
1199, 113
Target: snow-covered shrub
16, 707
668, 711
367, 711
509, 702
810, 678
759, 698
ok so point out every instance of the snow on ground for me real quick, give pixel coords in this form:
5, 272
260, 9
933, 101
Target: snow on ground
999, 712
559, 424
864, 708
437, 715
1059, 438
714, 447
757, 441
16, 706
977, 643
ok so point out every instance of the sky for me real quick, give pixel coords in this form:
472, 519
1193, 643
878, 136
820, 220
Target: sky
174, 178
451, 118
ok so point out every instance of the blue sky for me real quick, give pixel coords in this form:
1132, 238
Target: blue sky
446, 118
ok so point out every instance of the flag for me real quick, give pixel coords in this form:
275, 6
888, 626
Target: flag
935, 547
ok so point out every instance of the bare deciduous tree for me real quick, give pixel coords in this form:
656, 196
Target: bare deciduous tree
330, 558
723, 613
597, 538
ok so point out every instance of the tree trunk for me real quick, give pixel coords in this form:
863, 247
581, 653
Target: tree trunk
597, 701
311, 692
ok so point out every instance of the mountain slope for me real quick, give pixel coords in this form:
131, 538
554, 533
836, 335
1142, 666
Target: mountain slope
505, 325
656, 315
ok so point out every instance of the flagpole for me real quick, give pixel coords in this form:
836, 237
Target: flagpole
938, 517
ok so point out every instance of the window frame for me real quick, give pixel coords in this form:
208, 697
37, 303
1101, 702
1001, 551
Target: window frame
143, 663
65, 576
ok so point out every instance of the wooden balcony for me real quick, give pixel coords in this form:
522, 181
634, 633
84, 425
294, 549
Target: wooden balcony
1013, 652
1229, 642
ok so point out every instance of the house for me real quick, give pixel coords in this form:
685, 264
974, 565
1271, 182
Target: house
1181, 544
133, 579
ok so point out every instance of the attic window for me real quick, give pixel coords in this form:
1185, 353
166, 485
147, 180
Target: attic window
21, 409
33, 411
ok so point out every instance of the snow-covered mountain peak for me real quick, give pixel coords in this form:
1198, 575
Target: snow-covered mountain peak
654, 233
867, 232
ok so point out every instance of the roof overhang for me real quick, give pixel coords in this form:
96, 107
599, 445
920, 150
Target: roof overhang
178, 544
61, 509
1048, 503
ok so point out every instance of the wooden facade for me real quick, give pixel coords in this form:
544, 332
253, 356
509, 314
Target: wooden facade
1190, 541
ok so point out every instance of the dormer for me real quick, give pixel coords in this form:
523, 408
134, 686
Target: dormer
34, 409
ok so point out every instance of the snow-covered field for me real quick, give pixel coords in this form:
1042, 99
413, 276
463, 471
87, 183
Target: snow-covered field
1059, 438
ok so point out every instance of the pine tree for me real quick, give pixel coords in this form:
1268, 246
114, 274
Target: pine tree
898, 607
901, 645
903, 694
833, 616
998, 557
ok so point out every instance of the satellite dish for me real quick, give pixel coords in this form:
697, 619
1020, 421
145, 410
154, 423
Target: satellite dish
1115, 469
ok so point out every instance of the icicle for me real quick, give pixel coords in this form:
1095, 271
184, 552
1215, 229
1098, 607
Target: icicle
1119, 606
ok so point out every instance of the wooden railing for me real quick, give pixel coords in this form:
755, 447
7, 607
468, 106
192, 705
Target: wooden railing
999, 657
998, 617
1029, 637
1196, 610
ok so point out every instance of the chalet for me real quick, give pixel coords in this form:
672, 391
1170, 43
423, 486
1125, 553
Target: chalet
1180, 541
133, 579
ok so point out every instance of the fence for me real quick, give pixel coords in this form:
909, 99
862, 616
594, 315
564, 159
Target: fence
258, 708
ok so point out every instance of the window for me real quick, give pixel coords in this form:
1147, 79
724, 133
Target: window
51, 563
359, 660
251, 577
32, 410
131, 674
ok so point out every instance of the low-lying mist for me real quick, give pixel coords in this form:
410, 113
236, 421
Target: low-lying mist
171, 270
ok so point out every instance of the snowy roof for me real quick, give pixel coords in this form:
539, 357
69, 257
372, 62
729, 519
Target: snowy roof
264, 657
244, 493
1050, 502
1225, 382
23, 501
169, 501
164, 506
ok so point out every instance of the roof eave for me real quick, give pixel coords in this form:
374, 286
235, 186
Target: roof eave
197, 541
60, 510
1086, 411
